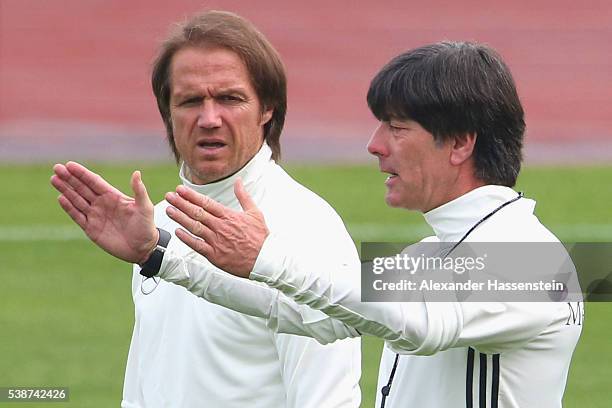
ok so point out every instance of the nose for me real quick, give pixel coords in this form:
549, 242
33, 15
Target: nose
209, 116
377, 145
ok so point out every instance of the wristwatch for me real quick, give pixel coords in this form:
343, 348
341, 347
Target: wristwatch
152, 265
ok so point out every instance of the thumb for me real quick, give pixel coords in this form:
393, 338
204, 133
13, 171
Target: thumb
140, 191
243, 197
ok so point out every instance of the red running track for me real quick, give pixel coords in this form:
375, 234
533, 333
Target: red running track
76, 72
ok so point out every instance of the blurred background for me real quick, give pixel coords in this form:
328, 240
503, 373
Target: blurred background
74, 84
74, 74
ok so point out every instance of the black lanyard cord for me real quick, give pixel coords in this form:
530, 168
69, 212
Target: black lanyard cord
483, 219
387, 388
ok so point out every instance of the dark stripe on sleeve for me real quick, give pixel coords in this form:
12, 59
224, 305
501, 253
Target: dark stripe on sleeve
469, 378
495, 382
483, 381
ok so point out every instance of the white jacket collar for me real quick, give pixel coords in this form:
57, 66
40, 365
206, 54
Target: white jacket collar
452, 220
223, 190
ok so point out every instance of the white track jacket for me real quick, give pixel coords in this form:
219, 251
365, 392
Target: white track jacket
453, 354
188, 352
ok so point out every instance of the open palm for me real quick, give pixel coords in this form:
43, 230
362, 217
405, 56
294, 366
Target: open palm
121, 225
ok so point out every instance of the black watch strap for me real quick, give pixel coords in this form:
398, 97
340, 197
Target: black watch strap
152, 265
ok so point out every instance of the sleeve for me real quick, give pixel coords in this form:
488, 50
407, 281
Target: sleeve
417, 327
283, 315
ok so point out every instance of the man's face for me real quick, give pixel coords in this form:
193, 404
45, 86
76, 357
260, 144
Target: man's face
217, 118
420, 174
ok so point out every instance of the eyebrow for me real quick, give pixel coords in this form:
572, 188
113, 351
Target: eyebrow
220, 91
397, 120
237, 89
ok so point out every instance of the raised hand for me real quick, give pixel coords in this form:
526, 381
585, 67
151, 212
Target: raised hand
229, 239
121, 225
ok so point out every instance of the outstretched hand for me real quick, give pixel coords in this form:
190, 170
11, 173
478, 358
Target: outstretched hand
229, 239
121, 225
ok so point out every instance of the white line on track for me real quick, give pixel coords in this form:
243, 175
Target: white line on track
30, 233
359, 232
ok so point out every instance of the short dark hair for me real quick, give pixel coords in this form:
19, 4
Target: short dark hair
453, 88
227, 30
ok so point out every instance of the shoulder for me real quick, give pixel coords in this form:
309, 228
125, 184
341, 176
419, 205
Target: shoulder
294, 211
284, 192
515, 223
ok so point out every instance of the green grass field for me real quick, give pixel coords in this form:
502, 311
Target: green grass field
66, 312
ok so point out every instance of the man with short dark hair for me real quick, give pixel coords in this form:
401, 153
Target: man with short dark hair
450, 138
221, 92
423, 86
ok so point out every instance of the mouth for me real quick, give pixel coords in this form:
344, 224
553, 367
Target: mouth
391, 177
391, 174
211, 145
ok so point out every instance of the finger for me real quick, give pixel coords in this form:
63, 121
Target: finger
201, 200
140, 191
191, 210
59, 184
62, 172
90, 179
197, 244
75, 199
72, 211
193, 226
245, 200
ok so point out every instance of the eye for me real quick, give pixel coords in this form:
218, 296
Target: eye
230, 98
191, 101
393, 128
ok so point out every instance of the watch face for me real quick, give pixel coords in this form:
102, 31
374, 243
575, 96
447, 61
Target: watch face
164, 239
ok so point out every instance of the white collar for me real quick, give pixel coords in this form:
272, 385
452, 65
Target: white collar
223, 190
452, 220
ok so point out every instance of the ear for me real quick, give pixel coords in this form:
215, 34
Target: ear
266, 116
462, 148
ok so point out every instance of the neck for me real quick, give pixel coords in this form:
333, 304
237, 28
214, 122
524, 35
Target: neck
223, 190
463, 183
